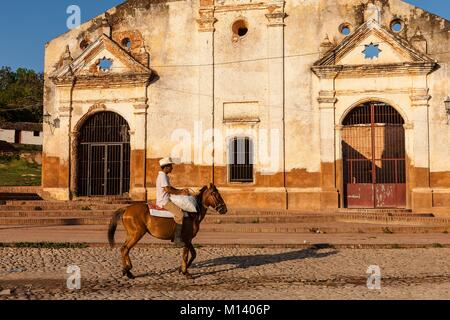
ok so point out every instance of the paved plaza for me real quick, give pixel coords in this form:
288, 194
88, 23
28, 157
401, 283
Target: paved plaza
227, 273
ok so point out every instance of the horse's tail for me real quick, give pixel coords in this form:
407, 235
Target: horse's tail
113, 225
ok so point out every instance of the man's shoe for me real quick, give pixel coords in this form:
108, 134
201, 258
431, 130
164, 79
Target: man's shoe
177, 240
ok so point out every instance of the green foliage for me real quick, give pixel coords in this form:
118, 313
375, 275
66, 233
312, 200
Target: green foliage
8, 157
18, 172
27, 147
21, 95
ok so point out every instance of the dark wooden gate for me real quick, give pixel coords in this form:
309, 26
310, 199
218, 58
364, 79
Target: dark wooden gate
104, 156
373, 145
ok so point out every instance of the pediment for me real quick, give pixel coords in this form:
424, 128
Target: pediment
103, 58
371, 44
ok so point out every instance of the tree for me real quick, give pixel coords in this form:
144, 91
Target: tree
21, 95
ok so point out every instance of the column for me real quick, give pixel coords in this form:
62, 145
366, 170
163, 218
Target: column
327, 100
420, 164
60, 168
138, 146
339, 164
206, 107
276, 98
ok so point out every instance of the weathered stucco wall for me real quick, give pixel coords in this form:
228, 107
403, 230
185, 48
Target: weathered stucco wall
204, 76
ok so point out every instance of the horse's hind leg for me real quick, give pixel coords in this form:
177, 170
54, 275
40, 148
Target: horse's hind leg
184, 263
131, 241
193, 255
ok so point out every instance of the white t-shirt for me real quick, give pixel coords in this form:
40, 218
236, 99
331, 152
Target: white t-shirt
162, 197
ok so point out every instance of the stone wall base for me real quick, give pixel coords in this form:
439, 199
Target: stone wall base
60, 194
421, 199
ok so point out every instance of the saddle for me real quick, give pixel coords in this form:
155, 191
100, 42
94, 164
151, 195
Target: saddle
156, 211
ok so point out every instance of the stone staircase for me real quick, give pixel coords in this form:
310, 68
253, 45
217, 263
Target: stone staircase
97, 212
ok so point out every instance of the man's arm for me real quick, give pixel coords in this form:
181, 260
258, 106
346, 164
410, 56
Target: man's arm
177, 192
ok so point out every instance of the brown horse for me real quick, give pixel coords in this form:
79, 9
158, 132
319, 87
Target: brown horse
137, 222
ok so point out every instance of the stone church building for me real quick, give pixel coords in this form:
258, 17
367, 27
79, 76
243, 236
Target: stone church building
299, 104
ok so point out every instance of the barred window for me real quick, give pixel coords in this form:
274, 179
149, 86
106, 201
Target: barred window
240, 160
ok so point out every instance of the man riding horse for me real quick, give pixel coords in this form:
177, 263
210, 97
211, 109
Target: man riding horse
138, 221
163, 191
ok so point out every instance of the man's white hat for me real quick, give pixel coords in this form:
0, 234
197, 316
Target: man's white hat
165, 162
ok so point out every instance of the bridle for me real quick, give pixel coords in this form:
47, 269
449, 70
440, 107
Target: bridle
216, 205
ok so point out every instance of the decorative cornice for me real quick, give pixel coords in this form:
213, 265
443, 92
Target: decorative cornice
420, 97
276, 19
128, 101
65, 111
406, 68
327, 99
104, 81
222, 7
207, 20
140, 108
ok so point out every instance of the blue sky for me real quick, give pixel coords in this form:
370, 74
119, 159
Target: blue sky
26, 25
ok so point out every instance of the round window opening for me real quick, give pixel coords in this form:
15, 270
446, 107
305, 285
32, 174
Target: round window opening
84, 44
397, 25
345, 29
240, 28
126, 43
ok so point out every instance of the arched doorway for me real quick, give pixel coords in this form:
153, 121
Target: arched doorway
373, 150
103, 156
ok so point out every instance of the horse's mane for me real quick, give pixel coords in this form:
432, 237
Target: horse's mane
199, 197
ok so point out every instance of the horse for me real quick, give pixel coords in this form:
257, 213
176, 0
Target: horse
137, 221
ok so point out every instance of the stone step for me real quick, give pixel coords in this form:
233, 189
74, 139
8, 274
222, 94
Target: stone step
57, 214
239, 219
211, 226
62, 207
20, 189
6, 197
209, 218
335, 212
372, 210
35, 202
322, 228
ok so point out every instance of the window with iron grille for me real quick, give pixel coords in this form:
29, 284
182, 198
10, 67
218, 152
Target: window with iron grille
240, 161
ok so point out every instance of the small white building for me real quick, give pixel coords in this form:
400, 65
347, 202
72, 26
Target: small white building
22, 133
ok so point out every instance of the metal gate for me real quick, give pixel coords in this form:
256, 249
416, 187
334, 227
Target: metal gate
373, 147
104, 156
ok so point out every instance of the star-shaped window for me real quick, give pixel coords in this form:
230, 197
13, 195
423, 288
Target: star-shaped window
372, 51
105, 64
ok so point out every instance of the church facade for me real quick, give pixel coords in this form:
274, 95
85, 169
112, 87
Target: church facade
299, 104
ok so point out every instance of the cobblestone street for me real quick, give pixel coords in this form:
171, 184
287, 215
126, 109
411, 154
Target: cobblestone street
227, 273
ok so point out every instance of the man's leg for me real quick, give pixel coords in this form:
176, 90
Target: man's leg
178, 217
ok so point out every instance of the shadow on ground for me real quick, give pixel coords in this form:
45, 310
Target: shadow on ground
244, 262
249, 261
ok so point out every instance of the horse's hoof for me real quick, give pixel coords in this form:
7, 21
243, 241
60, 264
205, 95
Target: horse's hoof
129, 275
188, 276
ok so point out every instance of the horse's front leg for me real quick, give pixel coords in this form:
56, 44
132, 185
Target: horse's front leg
184, 263
193, 255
